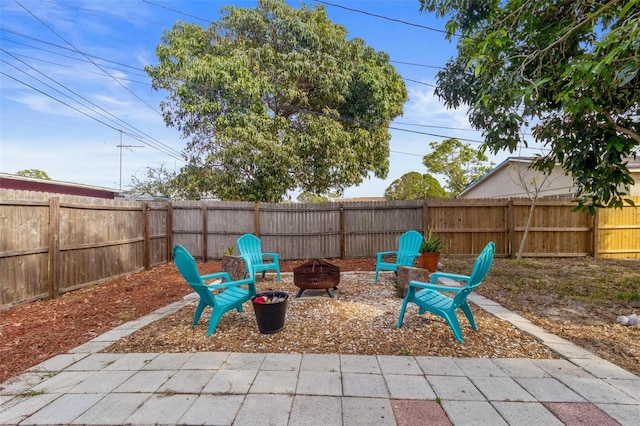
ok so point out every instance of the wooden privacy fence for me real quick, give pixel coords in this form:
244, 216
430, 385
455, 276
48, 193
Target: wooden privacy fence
50, 244
53, 244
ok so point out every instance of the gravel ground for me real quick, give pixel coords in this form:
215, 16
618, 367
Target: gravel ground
361, 319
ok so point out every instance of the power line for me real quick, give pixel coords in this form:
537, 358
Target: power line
419, 82
92, 103
134, 136
86, 55
91, 60
375, 15
176, 11
16, 55
84, 9
464, 129
418, 65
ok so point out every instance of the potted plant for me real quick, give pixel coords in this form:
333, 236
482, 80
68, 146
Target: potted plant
430, 252
232, 264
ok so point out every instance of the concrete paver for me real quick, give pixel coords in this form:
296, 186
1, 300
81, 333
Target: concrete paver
598, 391
275, 382
548, 389
364, 385
367, 411
517, 367
623, 414
85, 386
472, 413
114, 408
526, 413
261, 410
231, 382
408, 387
580, 414
162, 409
213, 409
501, 389
455, 388
312, 410
418, 413
325, 383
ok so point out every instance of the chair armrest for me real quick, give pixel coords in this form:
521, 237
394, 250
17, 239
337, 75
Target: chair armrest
457, 277
382, 254
431, 286
237, 283
224, 275
272, 255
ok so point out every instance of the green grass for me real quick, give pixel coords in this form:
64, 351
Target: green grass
578, 279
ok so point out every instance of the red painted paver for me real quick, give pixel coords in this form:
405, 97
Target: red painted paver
580, 414
411, 412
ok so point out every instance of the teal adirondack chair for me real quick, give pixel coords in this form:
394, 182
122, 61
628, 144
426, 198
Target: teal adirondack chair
408, 249
251, 248
428, 297
231, 295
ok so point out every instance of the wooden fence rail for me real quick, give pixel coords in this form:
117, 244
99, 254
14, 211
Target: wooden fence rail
50, 244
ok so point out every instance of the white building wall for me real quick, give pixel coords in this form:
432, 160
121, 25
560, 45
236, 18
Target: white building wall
513, 180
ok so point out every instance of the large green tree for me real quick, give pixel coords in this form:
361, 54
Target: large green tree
276, 98
566, 69
414, 186
460, 164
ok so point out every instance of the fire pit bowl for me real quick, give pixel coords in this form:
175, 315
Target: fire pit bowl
316, 274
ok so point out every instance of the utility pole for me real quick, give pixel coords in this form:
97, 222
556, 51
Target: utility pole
124, 146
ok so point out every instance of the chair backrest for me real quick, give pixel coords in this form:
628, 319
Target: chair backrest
189, 270
251, 247
408, 246
480, 270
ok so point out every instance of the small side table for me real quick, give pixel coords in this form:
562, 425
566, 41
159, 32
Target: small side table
410, 273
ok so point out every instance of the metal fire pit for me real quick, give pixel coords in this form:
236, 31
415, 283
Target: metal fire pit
316, 274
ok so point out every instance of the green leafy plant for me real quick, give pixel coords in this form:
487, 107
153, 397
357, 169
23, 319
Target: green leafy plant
431, 243
230, 251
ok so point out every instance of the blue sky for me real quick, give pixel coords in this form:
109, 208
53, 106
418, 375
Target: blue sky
66, 61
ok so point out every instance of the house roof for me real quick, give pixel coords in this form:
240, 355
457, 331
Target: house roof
22, 183
633, 164
495, 170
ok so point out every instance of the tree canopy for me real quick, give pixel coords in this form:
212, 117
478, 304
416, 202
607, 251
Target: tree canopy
414, 186
460, 164
273, 99
308, 197
33, 173
567, 70
158, 181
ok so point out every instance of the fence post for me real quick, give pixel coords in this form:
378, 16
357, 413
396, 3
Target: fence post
596, 233
341, 225
256, 219
169, 231
425, 224
54, 247
512, 232
205, 228
146, 234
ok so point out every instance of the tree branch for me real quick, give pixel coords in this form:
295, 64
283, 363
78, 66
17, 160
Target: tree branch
633, 135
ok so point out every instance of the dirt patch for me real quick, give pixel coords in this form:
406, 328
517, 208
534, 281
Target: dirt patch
556, 294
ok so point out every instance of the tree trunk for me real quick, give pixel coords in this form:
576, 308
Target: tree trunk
526, 228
